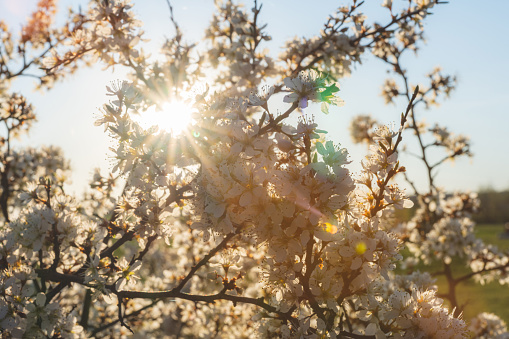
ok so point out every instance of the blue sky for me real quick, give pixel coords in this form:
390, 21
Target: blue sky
466, 38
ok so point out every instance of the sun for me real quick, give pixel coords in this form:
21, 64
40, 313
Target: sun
174, 116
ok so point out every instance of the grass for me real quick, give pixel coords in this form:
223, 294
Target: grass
491, 235
493, 297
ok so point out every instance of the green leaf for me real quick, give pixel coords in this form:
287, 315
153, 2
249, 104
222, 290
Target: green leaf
329, 92
329, 146
325, 107
320, 148
320, 168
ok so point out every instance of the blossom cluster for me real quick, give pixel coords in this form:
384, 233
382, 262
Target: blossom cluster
108, 32
488, 325
235, 49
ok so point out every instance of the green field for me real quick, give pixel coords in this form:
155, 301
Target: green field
493, 298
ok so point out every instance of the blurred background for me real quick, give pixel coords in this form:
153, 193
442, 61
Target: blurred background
467, 39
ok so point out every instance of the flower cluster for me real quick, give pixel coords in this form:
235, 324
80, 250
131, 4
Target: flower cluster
108, 32
312, 86
421, 315
236, 38
454, 144
488, 325
361, 128
37, 28
16, 113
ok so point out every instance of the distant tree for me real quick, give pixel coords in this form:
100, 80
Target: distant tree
494, 207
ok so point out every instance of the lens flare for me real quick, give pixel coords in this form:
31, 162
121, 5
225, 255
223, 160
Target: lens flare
174, 117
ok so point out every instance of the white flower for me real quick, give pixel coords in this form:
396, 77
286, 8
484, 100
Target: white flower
127, 275
304, 87
261, 97
387, 3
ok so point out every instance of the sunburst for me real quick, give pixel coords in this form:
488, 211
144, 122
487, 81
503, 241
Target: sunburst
174, 116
